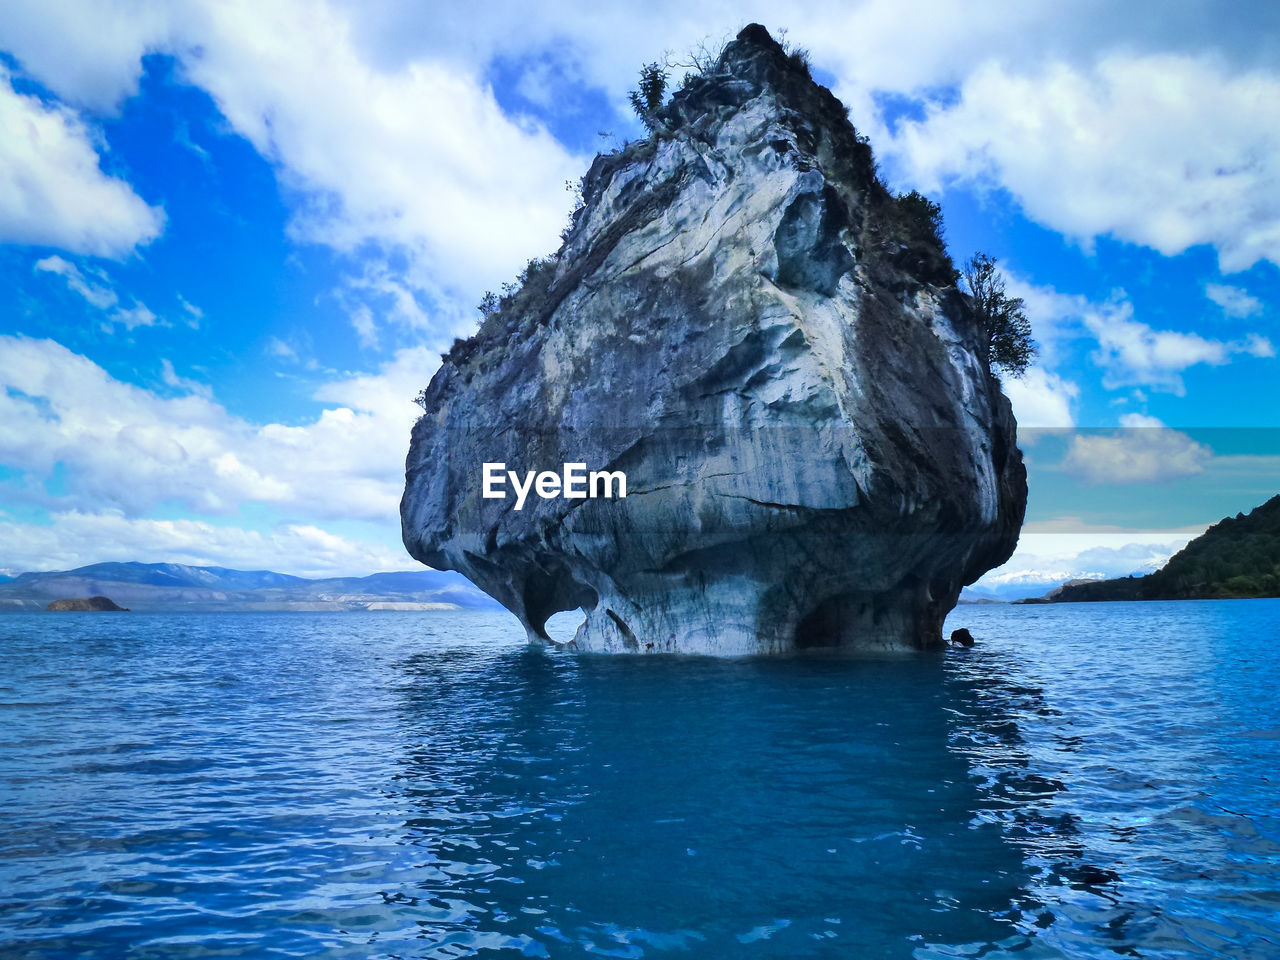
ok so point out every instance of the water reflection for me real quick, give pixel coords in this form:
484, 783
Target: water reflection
1162, 848
759, 808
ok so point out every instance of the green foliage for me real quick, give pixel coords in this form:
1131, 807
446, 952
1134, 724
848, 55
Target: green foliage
648, 99
923, 217
919, 224
537, 273
520, 298
1236, 557
797, 57
1003, 318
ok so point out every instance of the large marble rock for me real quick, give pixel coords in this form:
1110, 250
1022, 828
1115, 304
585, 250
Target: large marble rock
774, 351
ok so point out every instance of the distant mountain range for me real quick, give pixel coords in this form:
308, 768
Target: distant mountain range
1238, 557
1031, 585
175, 586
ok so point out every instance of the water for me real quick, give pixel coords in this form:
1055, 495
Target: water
1089, 781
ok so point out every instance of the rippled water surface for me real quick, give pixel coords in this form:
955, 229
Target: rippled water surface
1089, 781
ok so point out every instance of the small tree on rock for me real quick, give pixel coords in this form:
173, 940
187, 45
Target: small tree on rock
1003, 319
648, 99
922, 214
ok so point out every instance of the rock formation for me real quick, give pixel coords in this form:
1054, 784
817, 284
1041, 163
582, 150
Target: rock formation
773, 349
86, 605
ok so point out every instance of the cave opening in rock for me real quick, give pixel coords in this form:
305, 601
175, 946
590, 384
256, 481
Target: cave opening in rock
561, 627
832, 623
555, 603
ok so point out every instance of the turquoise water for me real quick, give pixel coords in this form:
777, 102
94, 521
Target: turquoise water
1089, 781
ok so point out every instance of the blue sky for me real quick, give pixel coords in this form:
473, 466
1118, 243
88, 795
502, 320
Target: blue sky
234, 239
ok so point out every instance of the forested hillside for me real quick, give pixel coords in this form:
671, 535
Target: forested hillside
1236, 557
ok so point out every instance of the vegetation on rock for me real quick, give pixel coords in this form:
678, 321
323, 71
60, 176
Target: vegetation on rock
1009, 343
648, 99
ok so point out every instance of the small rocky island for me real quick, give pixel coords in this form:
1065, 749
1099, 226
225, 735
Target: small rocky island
772, 348
86, 604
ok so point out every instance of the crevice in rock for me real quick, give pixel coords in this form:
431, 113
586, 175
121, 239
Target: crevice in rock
811, 255
628, 637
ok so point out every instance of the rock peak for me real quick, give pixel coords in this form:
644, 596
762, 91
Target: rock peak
751, 50
756, 33
754, 51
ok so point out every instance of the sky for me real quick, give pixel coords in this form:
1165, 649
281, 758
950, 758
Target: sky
235, 238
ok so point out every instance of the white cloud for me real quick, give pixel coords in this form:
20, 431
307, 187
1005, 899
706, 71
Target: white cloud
97, 292
134, 450
412, 161
365, 326
1161, 150
91, 55
194, 313
391, 389
52, 192
73, 539
397, 302
1133, 354
1129, 352
903, 46
135, 316
1256, 345
380, 120
1234, 301
1144, 451
278, 348
171, 379
418, 159
1042, 399
1055, 317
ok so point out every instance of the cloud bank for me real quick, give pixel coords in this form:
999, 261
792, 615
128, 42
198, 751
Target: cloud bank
128, 448
53, 192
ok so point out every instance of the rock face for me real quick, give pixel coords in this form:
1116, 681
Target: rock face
85, 604
773, 349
